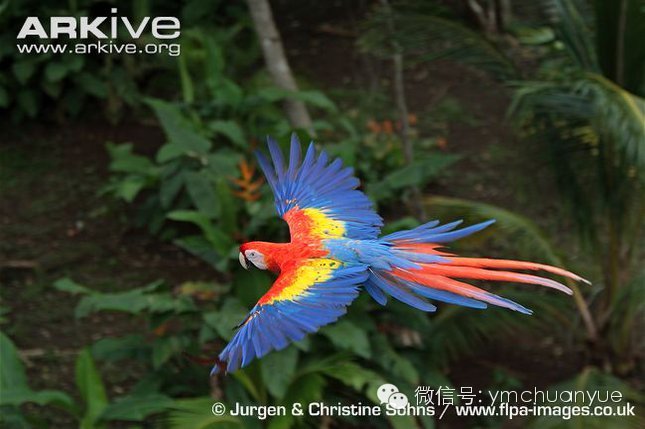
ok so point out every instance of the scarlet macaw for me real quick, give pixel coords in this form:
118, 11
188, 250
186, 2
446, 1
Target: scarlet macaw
335, 249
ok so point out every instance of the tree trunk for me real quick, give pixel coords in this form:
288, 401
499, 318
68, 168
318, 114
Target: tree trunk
402, 107
276, 62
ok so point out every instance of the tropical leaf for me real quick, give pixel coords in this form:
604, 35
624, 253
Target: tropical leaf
573, 30
526, 235
610, 110
509, 223
593, 380
14, 389
196, 414
92, 390
136, 407
427, 35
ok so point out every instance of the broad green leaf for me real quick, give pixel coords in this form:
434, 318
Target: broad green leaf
55, 71
74, 62
133, 301
128, 188
68, 285
230, 129
187, 89
170, 151
12, 371
177, 128
118, 348
278, 369
14, 389
228, 208
315, 98
199, 246
354, 375
136, 408
402, 422
123, 160
389, 359
347, 336
221, 242
226, 318
23, 70
165, 348
305, 389
92, 85
418, 173
201, 189
250, 285
170, 188
91, 389
224, 163
17, 397
196, 414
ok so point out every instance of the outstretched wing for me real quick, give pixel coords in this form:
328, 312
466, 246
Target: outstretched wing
307, 295
318, 198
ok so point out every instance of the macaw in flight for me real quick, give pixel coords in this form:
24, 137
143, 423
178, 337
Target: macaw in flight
335, 249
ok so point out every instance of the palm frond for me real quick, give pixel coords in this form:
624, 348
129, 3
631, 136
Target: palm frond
612, 111
572, 29
525, 234
457, 331
593, 131
426, 36
627, 319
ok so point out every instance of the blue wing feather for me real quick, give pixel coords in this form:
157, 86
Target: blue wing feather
316, 183
273, 326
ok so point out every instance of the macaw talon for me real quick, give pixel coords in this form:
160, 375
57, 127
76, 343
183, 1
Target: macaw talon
243, 261
219, 367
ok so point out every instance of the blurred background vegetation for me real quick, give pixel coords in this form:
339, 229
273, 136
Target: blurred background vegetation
127, 183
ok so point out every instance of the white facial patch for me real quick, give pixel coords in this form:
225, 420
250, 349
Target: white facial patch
256, 259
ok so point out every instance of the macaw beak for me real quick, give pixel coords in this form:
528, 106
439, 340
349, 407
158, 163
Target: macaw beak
243, 261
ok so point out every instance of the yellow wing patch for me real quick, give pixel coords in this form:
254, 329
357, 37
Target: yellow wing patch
295, 282
323, 226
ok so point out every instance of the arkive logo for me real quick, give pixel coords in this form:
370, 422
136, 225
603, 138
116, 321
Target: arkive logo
102, 27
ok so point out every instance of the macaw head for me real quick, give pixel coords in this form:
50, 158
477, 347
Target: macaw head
255, 253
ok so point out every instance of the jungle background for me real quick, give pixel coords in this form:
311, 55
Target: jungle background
128, 181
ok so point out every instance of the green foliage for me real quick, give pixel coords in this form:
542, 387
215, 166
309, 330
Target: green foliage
200, 191
93, 412
579, 108
594, 380
187, 181
524, 233
15, 391
189, 413
179, 336
36, 84
418, 173
91, 390
134, 301
424, 32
